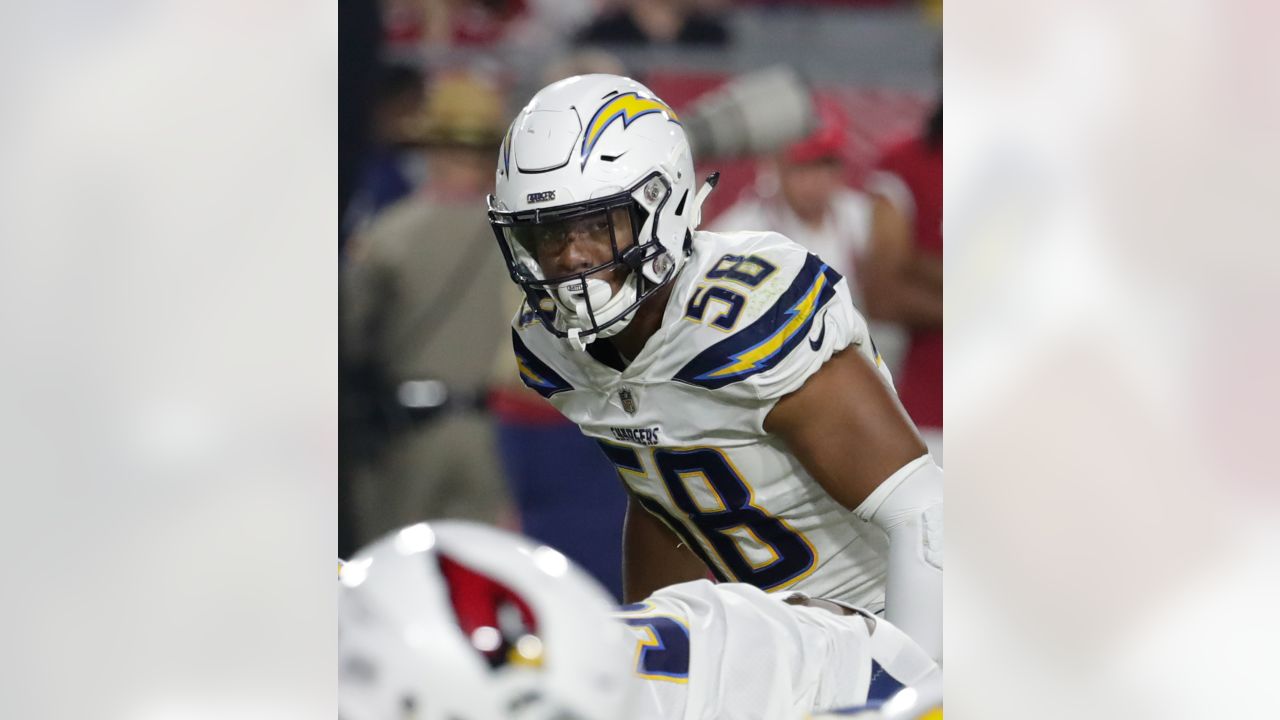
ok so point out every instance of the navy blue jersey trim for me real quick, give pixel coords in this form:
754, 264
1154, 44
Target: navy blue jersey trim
535, 373
883, 685
767, 341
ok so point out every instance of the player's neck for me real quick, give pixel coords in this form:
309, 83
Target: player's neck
630, 341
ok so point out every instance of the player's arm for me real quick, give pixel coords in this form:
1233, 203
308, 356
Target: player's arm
900, 658
652, 556
899, 284
850, 433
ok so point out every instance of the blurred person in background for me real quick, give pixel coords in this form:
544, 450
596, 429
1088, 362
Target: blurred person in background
801, 193
656, 22
902, 272
392, 167
548, 23
582, 62
422, 319
413, 24
566, 493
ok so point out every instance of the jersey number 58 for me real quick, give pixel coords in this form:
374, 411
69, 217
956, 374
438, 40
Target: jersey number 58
733, 524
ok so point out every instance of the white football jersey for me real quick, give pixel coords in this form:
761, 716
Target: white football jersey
751, 316
732, 652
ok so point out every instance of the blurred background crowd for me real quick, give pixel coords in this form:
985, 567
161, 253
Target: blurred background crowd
434, 422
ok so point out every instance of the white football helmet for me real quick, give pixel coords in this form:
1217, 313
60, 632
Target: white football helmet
595, 149
458, 621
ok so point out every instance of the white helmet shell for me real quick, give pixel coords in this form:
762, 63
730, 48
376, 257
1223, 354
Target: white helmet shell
591, 141
407, 648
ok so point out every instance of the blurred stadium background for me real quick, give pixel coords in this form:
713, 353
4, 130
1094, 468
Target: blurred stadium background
798, 104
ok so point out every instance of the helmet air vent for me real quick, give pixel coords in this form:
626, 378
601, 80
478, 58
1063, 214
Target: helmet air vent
544, 140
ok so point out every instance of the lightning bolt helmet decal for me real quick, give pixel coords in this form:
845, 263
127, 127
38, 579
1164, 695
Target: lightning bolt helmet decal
628, 106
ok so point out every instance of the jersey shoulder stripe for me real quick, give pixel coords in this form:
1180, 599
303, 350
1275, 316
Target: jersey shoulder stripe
535, 373
771, 337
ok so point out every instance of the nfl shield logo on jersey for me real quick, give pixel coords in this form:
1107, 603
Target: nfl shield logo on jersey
628, 400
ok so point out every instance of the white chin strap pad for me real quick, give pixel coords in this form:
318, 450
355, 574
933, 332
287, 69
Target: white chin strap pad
605, 305
908, 507
597, 291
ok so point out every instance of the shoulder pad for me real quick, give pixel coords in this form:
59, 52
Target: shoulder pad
535, 373
771, 335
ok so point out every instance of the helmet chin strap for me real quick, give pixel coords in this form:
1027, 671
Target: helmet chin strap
580, 309
575, 340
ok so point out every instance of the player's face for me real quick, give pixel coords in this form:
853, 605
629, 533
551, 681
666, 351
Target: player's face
576, 245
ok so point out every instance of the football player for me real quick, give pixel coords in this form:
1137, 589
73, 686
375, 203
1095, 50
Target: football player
726, 375
458, 621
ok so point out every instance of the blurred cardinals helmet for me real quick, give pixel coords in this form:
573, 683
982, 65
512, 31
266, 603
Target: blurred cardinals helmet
458, 621
599, 152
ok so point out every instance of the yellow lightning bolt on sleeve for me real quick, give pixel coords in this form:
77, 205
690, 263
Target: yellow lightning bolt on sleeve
802, 312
